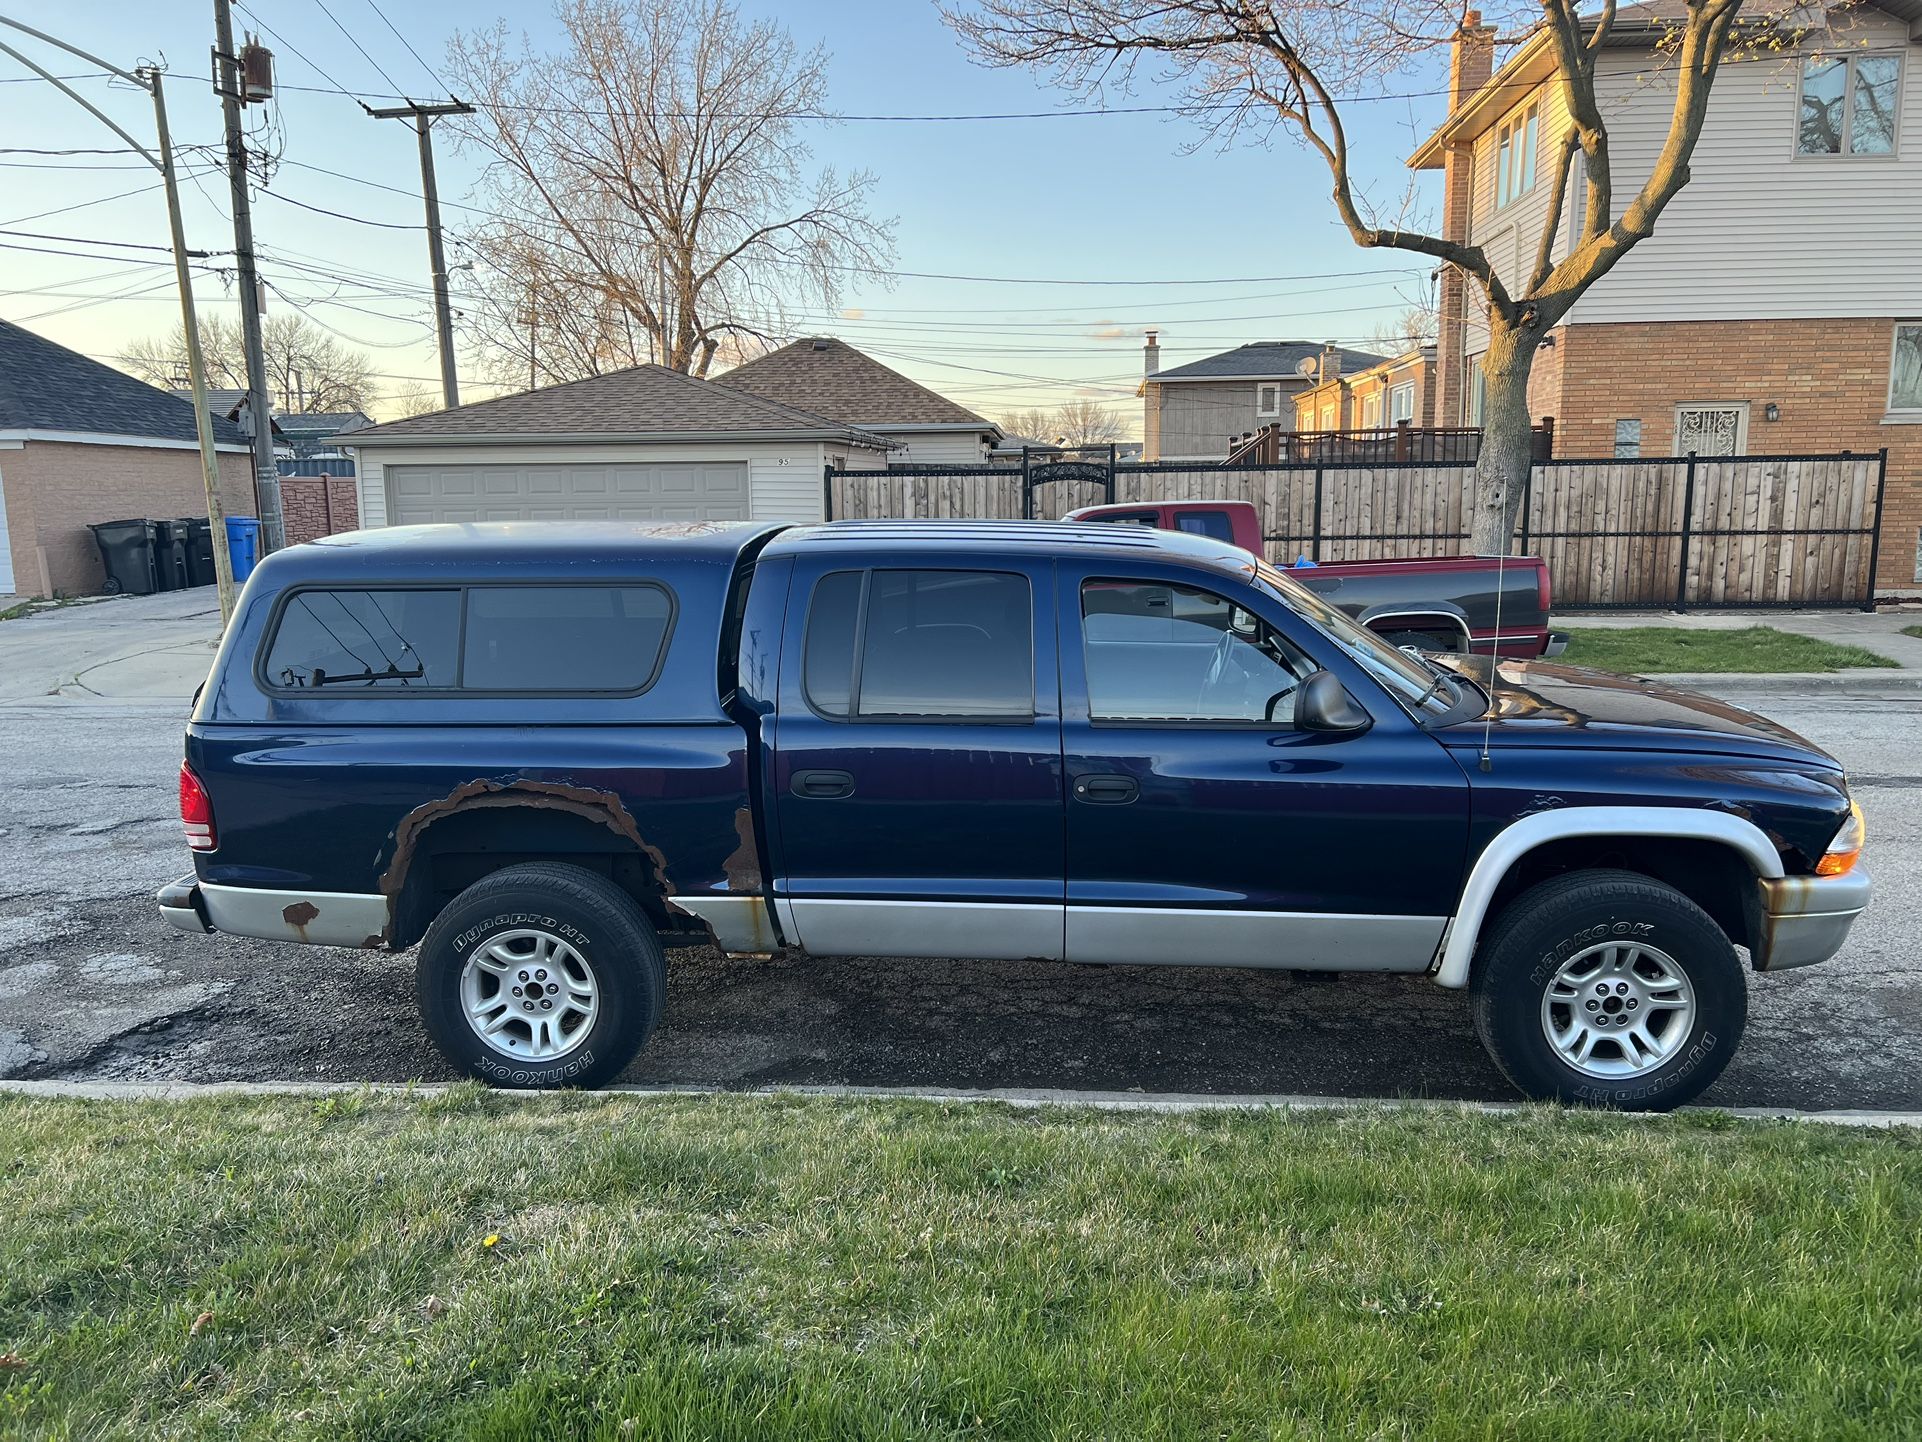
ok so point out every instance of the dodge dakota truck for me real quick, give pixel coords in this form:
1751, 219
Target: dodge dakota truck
542, 754
1432, 603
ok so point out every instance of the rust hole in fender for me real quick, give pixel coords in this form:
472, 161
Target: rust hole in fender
602, 807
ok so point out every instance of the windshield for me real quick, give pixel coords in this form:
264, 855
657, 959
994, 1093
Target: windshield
1406, 679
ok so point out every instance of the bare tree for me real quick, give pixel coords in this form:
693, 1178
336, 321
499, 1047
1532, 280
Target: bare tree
1416, 325
1087, 423
414, 400
1034, 424
1074, 423
308, 369
654, 197
1251, 67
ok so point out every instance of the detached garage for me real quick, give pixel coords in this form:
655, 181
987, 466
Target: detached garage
641, 444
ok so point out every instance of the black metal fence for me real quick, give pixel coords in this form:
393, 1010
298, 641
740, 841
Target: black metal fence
1727, 532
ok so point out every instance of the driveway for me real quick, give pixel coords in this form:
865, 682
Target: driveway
94, 985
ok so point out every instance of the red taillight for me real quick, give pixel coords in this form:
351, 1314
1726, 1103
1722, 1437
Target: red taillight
1541, 591
196, 811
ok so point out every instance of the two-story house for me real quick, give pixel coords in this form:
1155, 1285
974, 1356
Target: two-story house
1778, 306
1398, 391
1193, 412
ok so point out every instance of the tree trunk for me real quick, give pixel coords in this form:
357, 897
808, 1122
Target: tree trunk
1507, 447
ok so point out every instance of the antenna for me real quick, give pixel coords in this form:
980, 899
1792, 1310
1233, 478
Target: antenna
1495, 656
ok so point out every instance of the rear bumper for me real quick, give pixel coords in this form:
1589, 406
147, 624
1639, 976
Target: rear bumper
1556, 644
180, 905
321, 918
1805, 919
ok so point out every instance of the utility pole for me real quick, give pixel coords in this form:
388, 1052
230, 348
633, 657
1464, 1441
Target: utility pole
423, 116
148, 79
227, 78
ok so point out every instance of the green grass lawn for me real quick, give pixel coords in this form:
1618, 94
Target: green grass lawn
478, 1266
1640, 650
1915, 631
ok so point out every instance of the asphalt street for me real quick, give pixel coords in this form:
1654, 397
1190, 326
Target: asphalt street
94, 986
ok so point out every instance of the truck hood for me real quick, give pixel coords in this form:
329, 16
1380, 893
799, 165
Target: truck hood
1540, 703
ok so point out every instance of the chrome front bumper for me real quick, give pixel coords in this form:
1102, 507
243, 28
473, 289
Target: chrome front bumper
1805, 919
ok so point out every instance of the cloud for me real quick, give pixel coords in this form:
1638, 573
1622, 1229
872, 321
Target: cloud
1109, 332
853, 312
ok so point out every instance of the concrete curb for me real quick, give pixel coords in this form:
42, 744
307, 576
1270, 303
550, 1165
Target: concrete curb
1033, 1097
1866, 682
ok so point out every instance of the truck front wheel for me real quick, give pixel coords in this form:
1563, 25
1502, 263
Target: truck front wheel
1606, 988
542, 975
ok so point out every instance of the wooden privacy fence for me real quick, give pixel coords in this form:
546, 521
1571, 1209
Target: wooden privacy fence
1735, 532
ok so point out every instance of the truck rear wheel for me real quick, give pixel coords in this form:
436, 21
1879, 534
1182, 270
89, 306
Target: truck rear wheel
1605, 988
542, 975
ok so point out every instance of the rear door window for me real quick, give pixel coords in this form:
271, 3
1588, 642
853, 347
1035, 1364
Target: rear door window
921, 645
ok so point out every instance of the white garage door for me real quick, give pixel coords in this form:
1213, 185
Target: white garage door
689, 491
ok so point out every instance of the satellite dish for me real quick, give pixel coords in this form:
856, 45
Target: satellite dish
1307, 365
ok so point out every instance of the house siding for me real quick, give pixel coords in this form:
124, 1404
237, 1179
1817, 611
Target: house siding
56, 489
938, 448
1759, 232
1198, 419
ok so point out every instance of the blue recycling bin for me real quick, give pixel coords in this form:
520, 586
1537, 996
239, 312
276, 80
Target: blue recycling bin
243, 545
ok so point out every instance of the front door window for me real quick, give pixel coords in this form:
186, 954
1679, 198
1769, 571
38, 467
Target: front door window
1157, 652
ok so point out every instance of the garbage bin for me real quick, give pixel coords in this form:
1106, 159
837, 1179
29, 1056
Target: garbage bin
126, 550
200, 550
243, 545
170, 555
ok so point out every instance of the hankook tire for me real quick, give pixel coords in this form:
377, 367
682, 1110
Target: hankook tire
1607, 988
543, 975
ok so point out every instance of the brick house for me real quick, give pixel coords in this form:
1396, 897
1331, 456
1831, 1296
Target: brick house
81, 442
1397, 391
1778, 306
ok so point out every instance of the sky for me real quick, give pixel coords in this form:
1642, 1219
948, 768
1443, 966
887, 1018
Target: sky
1034, 252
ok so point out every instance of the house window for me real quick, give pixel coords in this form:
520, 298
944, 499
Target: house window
1849, 104
1515, 156
1719, 429
1327, 418
1401, 403
1268, 399
1371, 411
1628, 440
1905, 369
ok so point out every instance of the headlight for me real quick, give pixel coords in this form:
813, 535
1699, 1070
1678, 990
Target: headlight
1846, 849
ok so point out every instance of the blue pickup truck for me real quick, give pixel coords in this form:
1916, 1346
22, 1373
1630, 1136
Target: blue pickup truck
543, 754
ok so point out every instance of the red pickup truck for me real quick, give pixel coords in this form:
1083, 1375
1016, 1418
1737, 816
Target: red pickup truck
1441, 603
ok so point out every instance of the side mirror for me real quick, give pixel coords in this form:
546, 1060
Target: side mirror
1325, 705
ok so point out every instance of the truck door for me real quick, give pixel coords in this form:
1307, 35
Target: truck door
1203, 827
916, 759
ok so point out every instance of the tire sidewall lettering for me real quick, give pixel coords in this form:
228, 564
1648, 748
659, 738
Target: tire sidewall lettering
464, 943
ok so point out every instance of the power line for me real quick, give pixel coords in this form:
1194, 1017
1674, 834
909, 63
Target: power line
353, 41
432, 73
118, 244
340, 215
